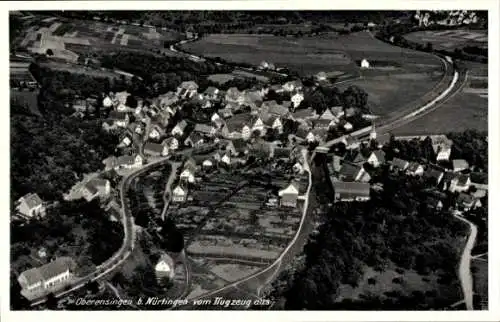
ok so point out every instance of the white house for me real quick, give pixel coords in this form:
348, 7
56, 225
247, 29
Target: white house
258, 125
296, 99
129, 161
96, 188
179, 194
189, 170
460, 183
46, 278
119, 119
187, 89
172, 143
207, 164
289, 195
30, 206
165, 268
155, 149
310, 137
226, 159
376, 158
365, 63
107, 102
415, 169
179, 128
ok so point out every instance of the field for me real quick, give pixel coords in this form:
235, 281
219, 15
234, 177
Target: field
396, 78
72, 68
450, 39
468, 109
68, 39
307, 55
480, 277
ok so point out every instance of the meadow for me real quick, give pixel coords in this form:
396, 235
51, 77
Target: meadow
450, 39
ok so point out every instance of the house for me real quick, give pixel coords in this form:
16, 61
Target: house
327, 115
335, 165
258, 124
179, 128
434, 175
165, 268
351, 111
211, 93
382, 140
460, 165
346, 125
365, 63
350, 142
321, 124
442, 147
319, 134
275, 123
298, 168
261, 149
172, 143
351, 191
351, 172
187, 89
156, 132
321, 77
46, 278
434, 203
215, 117
356, 157
237, 147
415, 169
188, 171
467, 202
126, 140
291, 86
155, 149
238, 126
460, 183
399, 164
233, 95
107, 102
273, 108
226, 113
96, 188
195, 139
119, 119
207, 164
179, 194
376, 158
129, 161
30, 206
226, 159
168, 99
205, 129
337, 111
289, 195
136, 128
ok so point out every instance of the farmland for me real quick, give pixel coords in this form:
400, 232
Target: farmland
471, 103
230, 229
308, 55
68, 39
450, 39
396, 78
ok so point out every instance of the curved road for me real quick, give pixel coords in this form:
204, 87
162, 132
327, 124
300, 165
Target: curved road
464, 269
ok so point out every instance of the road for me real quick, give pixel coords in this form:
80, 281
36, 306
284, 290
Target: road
277, 262
122, 254
464, 269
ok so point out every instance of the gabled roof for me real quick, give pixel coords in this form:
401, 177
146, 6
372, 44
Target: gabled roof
272, 107
181, 125
32, 200
462, 179
203, 128
49, 270
178, 190
237, 122
433, 173
354, 189
460, 164
117, 116
188, 85
293, 188
211, 90
413, 166
399, 163
327, 115
349, 171
91, 188
153, 148
464, 198
380, 155
190, 164
195, 137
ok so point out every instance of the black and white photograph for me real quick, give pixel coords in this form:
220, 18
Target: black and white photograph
255, 159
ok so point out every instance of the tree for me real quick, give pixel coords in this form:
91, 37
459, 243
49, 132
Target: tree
49, 52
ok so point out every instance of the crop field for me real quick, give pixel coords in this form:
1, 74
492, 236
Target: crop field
468, 109
80, 37
308, 55
450, 39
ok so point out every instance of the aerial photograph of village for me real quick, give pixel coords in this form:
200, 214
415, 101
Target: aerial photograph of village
249, 160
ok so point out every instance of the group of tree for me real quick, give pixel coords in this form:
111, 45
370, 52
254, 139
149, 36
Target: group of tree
395, 228
323, 97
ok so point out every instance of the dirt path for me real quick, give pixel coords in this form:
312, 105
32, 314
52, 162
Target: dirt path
464, 269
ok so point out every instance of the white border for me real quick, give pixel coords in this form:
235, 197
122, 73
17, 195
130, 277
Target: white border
492, 315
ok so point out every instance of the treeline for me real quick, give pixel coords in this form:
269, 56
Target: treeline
395, 228
394, 34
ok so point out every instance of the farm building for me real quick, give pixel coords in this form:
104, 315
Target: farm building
96, 188
352, 172
155, 149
